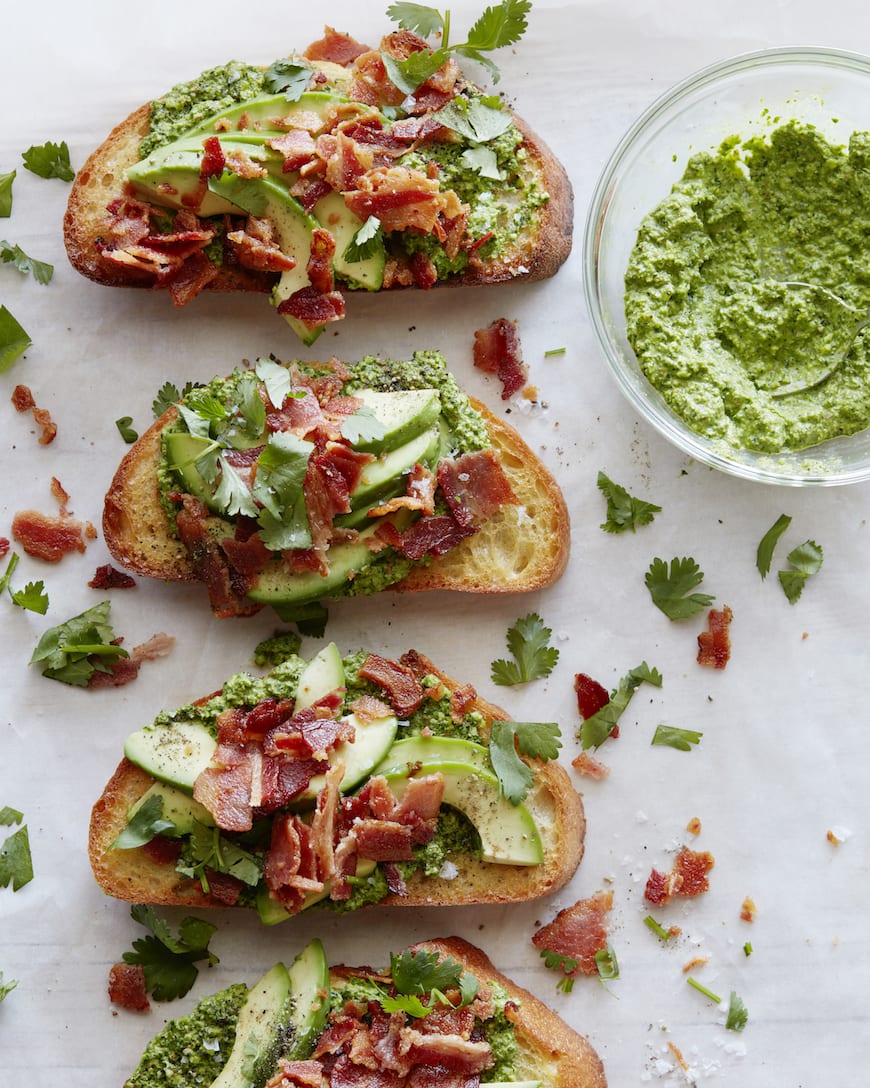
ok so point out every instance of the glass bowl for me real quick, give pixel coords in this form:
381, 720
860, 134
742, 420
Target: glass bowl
746, 95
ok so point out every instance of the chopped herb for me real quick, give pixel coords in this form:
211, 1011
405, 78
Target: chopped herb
74, 650
367, 241
14, 254
671, 737
528, 641
16, 864
624, 511
422, 974
49, 160
232, 495
6, 988
596, 729
10, 816
483, 161
764, 555
147, 822
477, 119
280, 647
540, 740
169, 396
125, 430
33, 597
14, 341
693, 982
606, 962
6, 194
10, 570
206, 848
557, 962
658, 929
554, 351
669, 589
169, 961
747, 949
288, 76
738, 1014
805, 560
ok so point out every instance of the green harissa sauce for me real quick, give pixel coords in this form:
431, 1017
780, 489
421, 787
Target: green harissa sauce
748, 286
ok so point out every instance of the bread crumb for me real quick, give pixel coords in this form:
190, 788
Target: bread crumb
836, 836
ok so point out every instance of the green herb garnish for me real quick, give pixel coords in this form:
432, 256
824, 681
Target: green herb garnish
367, 241
146, 823
169, 961
539, 740
805, 560
764, 555
596, 729
14, 254
606, 962
125, 430
206, 848
168, 397
288, 76
14, 341
49, 160
10, 816
6, 988
33, 597
738, 1014
624, 511
669, 588
6, 194
16, 864
554, 351
557, 962
528, 641
657, 928
422, 974
671, 737
747, 949
74, 650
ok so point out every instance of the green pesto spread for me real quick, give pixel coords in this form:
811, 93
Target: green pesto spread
192, 1050
748, 287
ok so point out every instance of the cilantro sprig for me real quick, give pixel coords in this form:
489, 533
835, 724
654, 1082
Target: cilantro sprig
764, 554
606, 964
169, 961
41, 271
421, 973
16, 863
49, 160
737, 1015
805, 560
206, 848
669, 587
624, 511
14, 339
168, 396
498, 26
6, 181
6, 988
597, 728
33, 597
555, 961
147, 822
74, 650
670, 736
287, 76
528, 640
539, 740
367, 241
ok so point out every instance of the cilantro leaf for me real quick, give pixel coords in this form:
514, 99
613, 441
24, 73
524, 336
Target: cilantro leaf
145, 824
6, 988
10, 816
16, 864
624, 511
764, 555
671, 737
499, 26
595, 730
792, 582
168, 396
483, 161
362, 425
805, 561
232, 495
738, 1014
276, 378
278, 486
14, 254
407, 1003
33, 597
421, 973
528, 641
367, 241
125, 430
476, 119
540, 740
6, 181
73, 650
606, 963
14, 341
555, 961
169, 961
669, 589
49, 160
207, 848
410, 73
422, 20
288, 76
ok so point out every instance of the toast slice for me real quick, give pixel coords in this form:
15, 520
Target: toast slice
521, 547
502, 1031
143, 875
110, 240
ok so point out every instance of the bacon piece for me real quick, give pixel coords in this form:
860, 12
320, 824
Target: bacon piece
402, 199
209, 561
497, 350
255, 247
714, 644
436, 1076
247, 557
223, 887
46, 536
312, 307
578, 931
405, 691
421, 129
368, 708
591, 696
461, 698
336, 1036
123, 670
423, 270
474, 486
371, 84
395, 880
127, 986
421, 801
383, 840
297, 146
687, 878
186, 281
213, 159
225, 786
319, 265
4, 546
347, 1074
23, 400
283, 779
323, 822
419, 494
590, 766
376, 798
336, 47
243, 166
346, 160
306, 1074
130, 221
107, 577
451, 1052
428, 536
162, 850
309, 190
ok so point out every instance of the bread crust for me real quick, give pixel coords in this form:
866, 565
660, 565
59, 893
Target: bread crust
521, 548
536, 255
549, 1050
134, 876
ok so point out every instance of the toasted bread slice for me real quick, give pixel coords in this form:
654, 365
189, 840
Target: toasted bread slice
520, 548
136, 875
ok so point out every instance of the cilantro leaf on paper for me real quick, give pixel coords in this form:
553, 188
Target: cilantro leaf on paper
16, 864
671, 737
14, 340
423, 20
528, 641
764, 555
33, 597
145, 824
6, 181
6, 988
606, 964
805, 560
738, 1014
49, 160
10, 816
669, 588
539, 740
72, 651
169, 961
595, 730
42, 271
125, 430
624, 511
555, 961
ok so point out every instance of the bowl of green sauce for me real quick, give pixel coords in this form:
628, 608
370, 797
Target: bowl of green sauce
727, 266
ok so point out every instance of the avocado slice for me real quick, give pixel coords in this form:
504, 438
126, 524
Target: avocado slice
175, 754
323, 674
178, 807
386, 474
264, 1024
403, 413
271, 912
414, 750
367, 274
508, 833
261, 114
182, 451
309, 986
371, 741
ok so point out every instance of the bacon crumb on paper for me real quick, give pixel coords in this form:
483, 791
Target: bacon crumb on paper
687, 878
23, 400
697, 961
748, 909
694, 826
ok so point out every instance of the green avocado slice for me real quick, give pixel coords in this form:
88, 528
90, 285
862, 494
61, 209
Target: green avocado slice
175, 753
262, 1031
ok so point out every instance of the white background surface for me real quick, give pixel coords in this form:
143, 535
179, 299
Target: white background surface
783, 756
